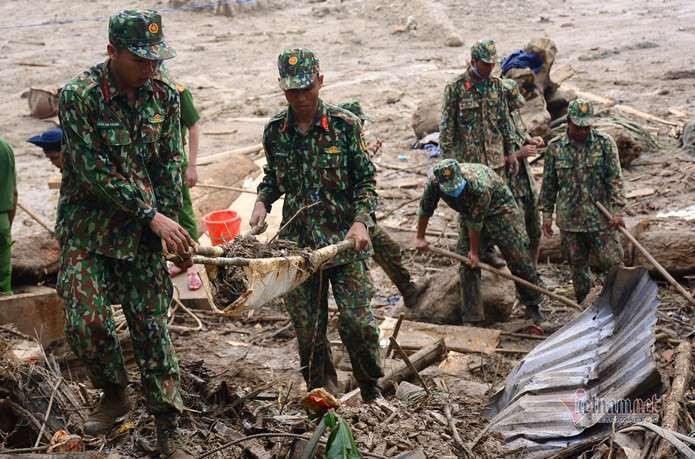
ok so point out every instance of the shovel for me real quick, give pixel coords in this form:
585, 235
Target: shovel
270, 278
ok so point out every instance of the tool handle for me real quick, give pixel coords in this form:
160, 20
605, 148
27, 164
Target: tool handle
648, 256
512, 277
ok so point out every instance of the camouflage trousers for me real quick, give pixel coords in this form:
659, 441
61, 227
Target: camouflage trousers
5, 253
308, 308
387, 254
508, 233
578, 247
186, 213
89, 284
532, 218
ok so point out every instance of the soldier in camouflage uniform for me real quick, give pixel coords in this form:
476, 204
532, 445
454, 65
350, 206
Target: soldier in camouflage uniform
316, 153
8, 208
475, 126
523, 185
582, 168
483, 200
387, 252
121, 188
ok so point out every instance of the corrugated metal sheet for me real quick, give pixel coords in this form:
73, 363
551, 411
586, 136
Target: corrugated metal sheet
607, 352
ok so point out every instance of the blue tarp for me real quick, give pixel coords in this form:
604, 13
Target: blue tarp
522, 59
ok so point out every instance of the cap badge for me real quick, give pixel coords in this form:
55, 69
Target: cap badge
153, 28
446, 172
584, 108
292, 60
155, 119
333, 150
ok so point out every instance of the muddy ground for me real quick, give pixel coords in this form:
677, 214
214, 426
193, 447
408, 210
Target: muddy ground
636, 52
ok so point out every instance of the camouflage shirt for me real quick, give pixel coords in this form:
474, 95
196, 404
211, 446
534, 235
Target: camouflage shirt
475, 126
121, 163
576, 177
524, 180
328, 164
485, 195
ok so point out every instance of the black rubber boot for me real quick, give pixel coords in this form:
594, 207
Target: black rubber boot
112, 405
170, 444
533, 311
369, 392
410, 295
492, 259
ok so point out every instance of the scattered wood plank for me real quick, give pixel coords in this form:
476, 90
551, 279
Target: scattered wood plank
202, 161
620, 107
223, 187
418, 335
678, 113
420, 360
674, 400
409, 364
640, 193
54, 182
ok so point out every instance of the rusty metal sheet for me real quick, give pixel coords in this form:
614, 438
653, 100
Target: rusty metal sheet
604, 354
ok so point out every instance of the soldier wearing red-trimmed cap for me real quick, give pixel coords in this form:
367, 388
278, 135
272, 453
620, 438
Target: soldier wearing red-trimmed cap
119, 198
317, 157
582, 168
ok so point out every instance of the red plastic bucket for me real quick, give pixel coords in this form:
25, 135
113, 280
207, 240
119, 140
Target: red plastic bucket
222, 225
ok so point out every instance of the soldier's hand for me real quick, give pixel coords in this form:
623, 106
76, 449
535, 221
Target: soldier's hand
258, 215
473, 259
421, 244
183, 262
176, 238
358, 232
526, 151
548, 227
617, 221
513, 165
537, 141
191, 175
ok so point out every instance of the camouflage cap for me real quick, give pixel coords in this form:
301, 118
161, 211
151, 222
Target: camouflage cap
484, 50
354, 107
140, 31
297, 68
580, 112
448, 175
511, 90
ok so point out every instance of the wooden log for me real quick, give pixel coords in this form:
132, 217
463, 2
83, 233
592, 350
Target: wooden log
649, 257
420, 360
674, 400
673, 248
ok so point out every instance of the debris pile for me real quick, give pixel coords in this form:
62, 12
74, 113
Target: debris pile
230, 282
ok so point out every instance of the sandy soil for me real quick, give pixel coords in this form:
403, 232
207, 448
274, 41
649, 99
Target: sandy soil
622, 50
